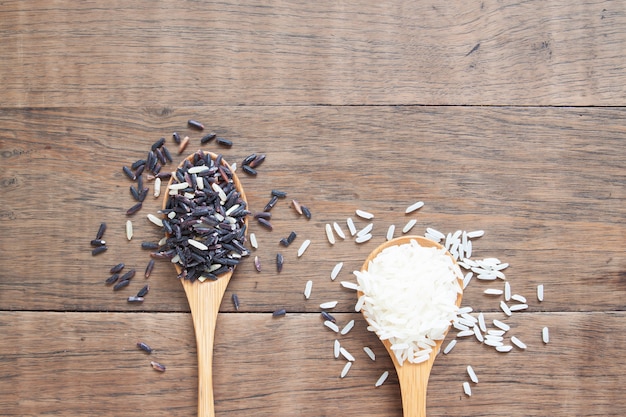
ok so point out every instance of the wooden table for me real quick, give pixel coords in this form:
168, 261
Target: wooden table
503, 116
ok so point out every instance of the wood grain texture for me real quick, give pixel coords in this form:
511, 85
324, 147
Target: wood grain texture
87, 364
547, 185
325, 52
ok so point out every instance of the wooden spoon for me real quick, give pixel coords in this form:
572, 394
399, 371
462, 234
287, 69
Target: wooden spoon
204, 300
413, 377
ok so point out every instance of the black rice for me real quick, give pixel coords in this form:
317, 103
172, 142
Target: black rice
156, 145
98, 242
306, 212
263, 214
280, 260
257, 263
101, 230
195, 124
236, 301
121, 284
292, 236
176, 137
279, 194
279, 313
135, 299
257, 161
144, 347
265, 223
224, 142
98, 250
208, 138
149, 245
327, 316
112, 279
117, 268
149, 268
134, 193
134, 209
248, 170
129, 173
143, 291
270, 204
128, 275
248, 159
157, 366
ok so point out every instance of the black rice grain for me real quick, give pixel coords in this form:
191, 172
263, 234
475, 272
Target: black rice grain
99, 250
292, 236
257, 161
149, 245
128, 173
248, 170
270, 204
208, 138
257, 263
113, 278
328, 317
101, 230
143, 291
134, 193
144, 347
236, 301
279, 194
284, 242
157, 366
121, 285
128, 275
195, 124
263, 215
248, 159
98, 242
138, 163
149, 268
306, 212
135, 299
134, 209
265, 223
224, 142
156, 145
176, 137
167, 154
279, 313
117, 268
280, 260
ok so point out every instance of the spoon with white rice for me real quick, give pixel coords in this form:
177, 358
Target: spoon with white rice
409, 291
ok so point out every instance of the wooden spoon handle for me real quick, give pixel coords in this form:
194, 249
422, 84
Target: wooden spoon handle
204, 301
413, 380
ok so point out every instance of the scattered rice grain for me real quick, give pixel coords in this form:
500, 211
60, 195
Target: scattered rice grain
504, 348
472, 374
449, 346
338, 230
346, 354
413, 207
345, 369
363, 239
518, 342
364, 214
390, 231
347, 327
336, 271
253, 241
307, 289
328, 305
129, 229
349, 285
303, 247
336, 348
382, 379
545, 335
332, 326
351, 226
505, 308
329, 233
467, 389
518, 307
540, 292
369, 352
507, 291
409, 225
501, 325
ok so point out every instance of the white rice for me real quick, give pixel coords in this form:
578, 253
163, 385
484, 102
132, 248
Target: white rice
505, 308
407, 228
198, 169
346, 354
493, 343
359, 304
369, 352
504, 348
336, 270
478, 334
494, 338
492, 291
345, 369
363, 239
382, 379
157, 187
307, 289
518, 298
460, 326
329, 234
501, 325
364, 214
303, 247
129, 229
351, 226
155, 220
476, 233
449, 346
481, 322
545, 335
349, 285
492, 332
466, 280
390, 231
507, 291
347, 327
336, 348
465, 333
253, 241
435, 233
411, 294
540, 292
366, 230
518, 342
197, 244
465, 310
338, 230
466, 389
413, 207
518, 307
472, 374
179, 186
332, 326
329, 304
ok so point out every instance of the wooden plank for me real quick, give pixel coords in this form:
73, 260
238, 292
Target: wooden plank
78, 364
547, 185
299, 52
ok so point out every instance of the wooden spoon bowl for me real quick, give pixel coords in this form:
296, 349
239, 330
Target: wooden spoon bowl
204, 300
413, 377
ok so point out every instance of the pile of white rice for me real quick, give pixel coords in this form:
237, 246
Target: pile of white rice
409, 295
